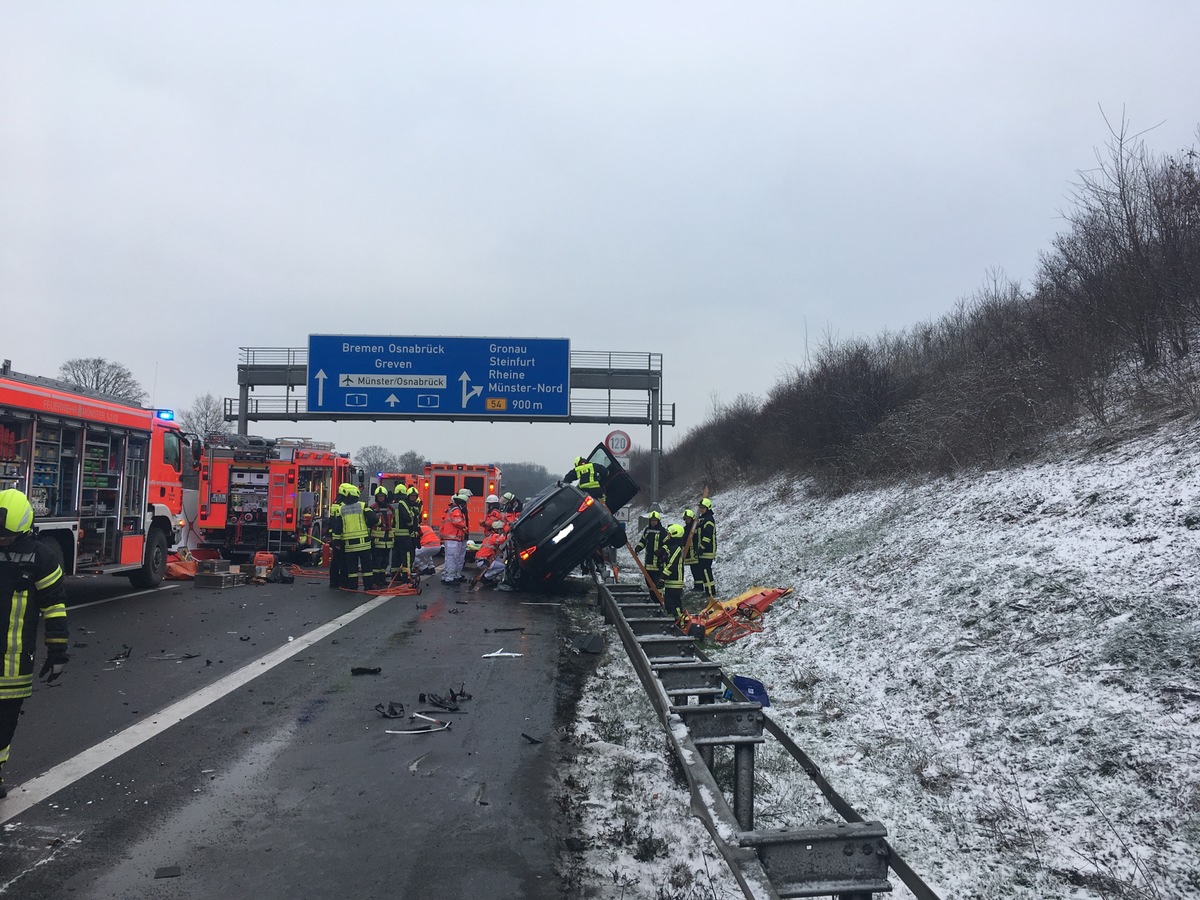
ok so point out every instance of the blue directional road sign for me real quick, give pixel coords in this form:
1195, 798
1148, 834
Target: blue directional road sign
442, 377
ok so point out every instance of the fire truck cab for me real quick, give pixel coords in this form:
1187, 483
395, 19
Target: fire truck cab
441, 481
104, 477
267, 495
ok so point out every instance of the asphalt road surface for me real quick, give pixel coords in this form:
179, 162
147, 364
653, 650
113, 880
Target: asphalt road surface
211, 743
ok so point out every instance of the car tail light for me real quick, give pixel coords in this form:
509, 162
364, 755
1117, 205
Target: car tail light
588, 501
527, 552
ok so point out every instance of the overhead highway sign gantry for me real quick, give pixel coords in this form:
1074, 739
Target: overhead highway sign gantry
494, 378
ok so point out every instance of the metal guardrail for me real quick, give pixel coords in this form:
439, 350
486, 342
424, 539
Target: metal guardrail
580, 359
600, 409
849, 861
274, 356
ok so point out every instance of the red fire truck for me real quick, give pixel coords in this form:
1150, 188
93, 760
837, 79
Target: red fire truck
441, 481
269, 495
103, 476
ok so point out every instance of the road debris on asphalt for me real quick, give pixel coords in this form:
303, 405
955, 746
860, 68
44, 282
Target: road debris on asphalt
434, 725
393, 710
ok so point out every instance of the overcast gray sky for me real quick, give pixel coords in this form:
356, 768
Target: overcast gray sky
723, 183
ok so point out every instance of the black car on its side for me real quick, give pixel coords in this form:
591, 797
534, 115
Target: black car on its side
562, 526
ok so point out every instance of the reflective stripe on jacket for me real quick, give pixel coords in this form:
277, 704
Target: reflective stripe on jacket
405, 521
586, 473
673, 564
689, 535
354, 531
706, 537
454, 524
383, 532
31, 588
651, 543
491, 544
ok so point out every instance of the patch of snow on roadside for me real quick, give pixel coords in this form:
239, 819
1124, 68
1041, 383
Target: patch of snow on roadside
1003, 668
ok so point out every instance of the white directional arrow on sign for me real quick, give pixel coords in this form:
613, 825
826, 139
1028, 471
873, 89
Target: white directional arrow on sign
392, 400
473, 392
320, 376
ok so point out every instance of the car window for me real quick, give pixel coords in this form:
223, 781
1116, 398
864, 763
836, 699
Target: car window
536, 522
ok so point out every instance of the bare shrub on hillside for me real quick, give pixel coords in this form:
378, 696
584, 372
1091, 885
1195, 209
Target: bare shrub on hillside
1107, 327
725, 447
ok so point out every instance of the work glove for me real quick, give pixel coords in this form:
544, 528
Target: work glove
55, 665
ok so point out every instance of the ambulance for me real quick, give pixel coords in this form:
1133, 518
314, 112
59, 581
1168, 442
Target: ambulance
441, 481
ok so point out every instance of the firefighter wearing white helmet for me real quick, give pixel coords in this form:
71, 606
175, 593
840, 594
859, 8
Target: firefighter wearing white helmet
31, 588
454, 537
491, 512
512, 505
489, 558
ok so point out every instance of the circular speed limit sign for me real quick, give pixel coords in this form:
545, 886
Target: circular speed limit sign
618, 443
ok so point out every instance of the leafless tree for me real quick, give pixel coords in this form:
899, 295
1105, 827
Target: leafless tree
411, 461
205, 416
99, 374
373, 458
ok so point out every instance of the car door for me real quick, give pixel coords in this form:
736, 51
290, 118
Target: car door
619, 488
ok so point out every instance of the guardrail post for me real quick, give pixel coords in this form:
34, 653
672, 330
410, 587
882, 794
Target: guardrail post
743, 785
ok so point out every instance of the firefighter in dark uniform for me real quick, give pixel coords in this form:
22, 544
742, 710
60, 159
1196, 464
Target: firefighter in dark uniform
672, 571
337, 559
650, 545
690, 557
31, 588
353, 528
590, 477
383, 538
406, 530
705, 541
417, 505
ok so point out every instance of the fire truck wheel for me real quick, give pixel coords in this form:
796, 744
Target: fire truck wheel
155, 565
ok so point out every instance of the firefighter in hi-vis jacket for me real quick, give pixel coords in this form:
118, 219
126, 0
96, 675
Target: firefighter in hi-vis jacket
31, 588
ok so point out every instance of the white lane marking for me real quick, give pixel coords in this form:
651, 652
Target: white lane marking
21, 797
165, 587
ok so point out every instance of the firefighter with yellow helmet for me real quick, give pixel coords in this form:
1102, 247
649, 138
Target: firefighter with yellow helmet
651, 544
407, 524
31, 588
672, 570
705, 543
589, 476
352, 528
383, 537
